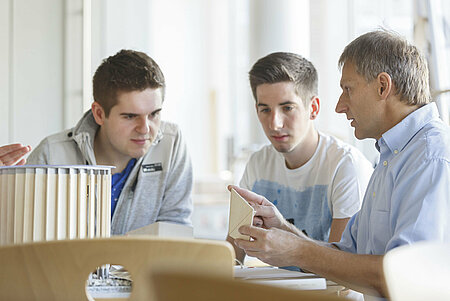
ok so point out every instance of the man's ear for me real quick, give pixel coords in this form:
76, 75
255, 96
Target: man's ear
385, 85
315, 107
98, 112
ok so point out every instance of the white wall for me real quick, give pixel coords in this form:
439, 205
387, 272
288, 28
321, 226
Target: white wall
205, 49
34, 71
4, 70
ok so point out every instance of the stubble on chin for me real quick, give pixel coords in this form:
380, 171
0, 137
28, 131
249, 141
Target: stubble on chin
281, 148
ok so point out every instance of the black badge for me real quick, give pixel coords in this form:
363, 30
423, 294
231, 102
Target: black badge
152, 167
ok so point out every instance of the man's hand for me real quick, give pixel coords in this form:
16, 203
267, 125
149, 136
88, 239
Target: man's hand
10, 154
273, 246
267, 215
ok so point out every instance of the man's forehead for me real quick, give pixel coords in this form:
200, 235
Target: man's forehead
148, 99
349, 72
276, 93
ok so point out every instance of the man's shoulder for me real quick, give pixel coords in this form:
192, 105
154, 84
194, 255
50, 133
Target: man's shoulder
53, 149
437, 141
58, 138
169, 128
337, 150
430, 143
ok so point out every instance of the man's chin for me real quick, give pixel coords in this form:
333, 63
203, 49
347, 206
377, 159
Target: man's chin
282, 148
359, 135
139, 153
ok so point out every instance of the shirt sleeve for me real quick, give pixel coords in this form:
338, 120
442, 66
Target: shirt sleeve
421, 204
39, 155
348, 186
348, 241
245, 180
250, 173
177, 204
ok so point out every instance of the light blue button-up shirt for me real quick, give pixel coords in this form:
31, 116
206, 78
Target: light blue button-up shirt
408, 196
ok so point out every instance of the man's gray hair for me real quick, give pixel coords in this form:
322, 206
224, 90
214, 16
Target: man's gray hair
385, 51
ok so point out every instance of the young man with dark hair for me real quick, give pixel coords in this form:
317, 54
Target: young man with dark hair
316, 181
386, 96
152, 178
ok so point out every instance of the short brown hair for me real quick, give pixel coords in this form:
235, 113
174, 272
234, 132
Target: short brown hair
386, 51
285, 67
126, 71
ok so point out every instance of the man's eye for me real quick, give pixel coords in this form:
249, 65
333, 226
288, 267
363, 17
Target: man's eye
288, 108
155, 114
264, 110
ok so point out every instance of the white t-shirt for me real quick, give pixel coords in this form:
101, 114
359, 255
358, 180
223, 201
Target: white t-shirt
330, 185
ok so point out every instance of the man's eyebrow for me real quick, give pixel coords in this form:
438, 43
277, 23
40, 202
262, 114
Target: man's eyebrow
128, 114
280, 104
287, 103
156, 111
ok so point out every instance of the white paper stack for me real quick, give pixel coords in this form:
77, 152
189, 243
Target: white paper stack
40, 203
280, 277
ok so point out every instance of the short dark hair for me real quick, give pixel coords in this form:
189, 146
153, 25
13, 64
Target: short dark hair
285, 67
126, 71
386, 51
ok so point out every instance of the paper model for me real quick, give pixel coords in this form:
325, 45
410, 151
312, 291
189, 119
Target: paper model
241, 213
45, 202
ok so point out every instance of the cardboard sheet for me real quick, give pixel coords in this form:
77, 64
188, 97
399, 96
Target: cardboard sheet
241, 213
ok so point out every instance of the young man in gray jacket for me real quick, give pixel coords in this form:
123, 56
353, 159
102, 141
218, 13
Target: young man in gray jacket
152, 178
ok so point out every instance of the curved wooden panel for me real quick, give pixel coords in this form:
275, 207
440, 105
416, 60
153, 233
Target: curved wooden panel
58, 270
202, 286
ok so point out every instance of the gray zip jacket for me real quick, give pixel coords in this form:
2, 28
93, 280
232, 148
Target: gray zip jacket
158, 187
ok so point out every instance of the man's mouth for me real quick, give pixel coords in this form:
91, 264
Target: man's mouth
352, 121
280, 137
140, 141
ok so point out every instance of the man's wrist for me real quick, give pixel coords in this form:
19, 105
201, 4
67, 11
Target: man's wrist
287, 226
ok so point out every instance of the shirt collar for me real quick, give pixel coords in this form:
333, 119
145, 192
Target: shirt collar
398, 136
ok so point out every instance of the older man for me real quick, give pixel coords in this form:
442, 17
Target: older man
385, 94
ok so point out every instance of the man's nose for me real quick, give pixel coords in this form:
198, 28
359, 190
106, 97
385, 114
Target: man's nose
340, 107
143, 126
276, 121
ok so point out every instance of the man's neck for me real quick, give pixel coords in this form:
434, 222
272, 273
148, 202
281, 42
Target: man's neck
395, 112
304, 151
104, 156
